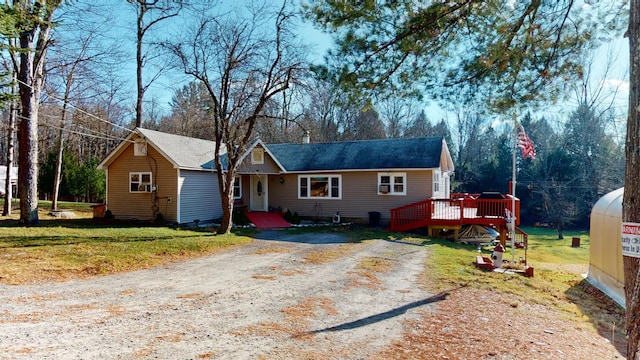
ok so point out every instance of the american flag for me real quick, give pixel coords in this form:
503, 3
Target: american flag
527, 146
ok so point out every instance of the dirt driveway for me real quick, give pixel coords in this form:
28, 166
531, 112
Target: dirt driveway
280, 297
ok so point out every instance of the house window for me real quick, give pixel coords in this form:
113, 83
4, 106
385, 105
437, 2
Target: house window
392, 184
320, 186
257, 156
237, 187
436, 181
140, 148
140, 182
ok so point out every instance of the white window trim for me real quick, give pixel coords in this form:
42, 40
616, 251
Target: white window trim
140, 173
255, 159
309, 176
437, 182
391, 176
237, 180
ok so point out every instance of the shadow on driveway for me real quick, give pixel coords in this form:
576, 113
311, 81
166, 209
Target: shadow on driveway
382, 316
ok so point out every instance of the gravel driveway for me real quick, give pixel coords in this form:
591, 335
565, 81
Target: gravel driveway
274, 298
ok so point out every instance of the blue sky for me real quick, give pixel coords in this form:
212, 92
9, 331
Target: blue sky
163, 88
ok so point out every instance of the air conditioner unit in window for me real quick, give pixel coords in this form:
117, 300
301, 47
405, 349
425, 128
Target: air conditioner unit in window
383, 189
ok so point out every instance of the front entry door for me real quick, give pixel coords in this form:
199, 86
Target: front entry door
259, 187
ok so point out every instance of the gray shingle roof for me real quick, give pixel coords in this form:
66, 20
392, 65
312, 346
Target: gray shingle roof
184, 152
410, 153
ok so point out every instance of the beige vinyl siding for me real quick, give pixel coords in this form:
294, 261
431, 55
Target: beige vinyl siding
126, 205
268, 167
359, 195
199, 196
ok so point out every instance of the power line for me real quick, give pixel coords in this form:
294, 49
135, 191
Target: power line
99, 136
80, 110
86, 134
106, 135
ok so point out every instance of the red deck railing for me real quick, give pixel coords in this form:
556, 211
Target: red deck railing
458, 210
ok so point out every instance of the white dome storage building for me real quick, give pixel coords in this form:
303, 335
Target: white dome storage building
605, 260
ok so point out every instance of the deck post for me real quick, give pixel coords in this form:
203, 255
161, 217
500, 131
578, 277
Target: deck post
503, 235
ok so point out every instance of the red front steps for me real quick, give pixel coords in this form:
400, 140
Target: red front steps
267, 220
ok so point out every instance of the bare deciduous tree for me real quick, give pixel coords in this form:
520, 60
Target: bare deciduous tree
10, 64
243, 67
396, 114
149, 13
34, 42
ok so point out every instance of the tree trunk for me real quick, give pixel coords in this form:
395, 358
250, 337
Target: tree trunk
58, 173
631, 198
28, 132
8, 188
33, 45
139, 66
227, 216
28, 149
560, 229
227, 202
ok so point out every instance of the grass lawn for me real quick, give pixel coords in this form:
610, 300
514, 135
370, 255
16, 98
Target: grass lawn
61, 249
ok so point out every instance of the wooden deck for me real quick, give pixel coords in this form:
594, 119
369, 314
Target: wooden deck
452, 213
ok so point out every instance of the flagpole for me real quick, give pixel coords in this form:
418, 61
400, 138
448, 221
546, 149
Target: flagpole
513, 186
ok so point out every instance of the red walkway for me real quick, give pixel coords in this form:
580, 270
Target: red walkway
267, 220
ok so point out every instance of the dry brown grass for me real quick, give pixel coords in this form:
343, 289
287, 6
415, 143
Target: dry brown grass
271, 250
375, 264
363, 279
328, 255
36, 298
209, 355
79, 307
263, 277
191, 296
32, 317
171, 336
292, 272
267, 329
477, 323
295, 324
143, 353
339, 351
117, 310
308, 308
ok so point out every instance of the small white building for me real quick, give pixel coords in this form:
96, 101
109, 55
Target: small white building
3, 178
605, 259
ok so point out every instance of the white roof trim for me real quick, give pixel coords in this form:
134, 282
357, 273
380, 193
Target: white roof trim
446, 162
117, 150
